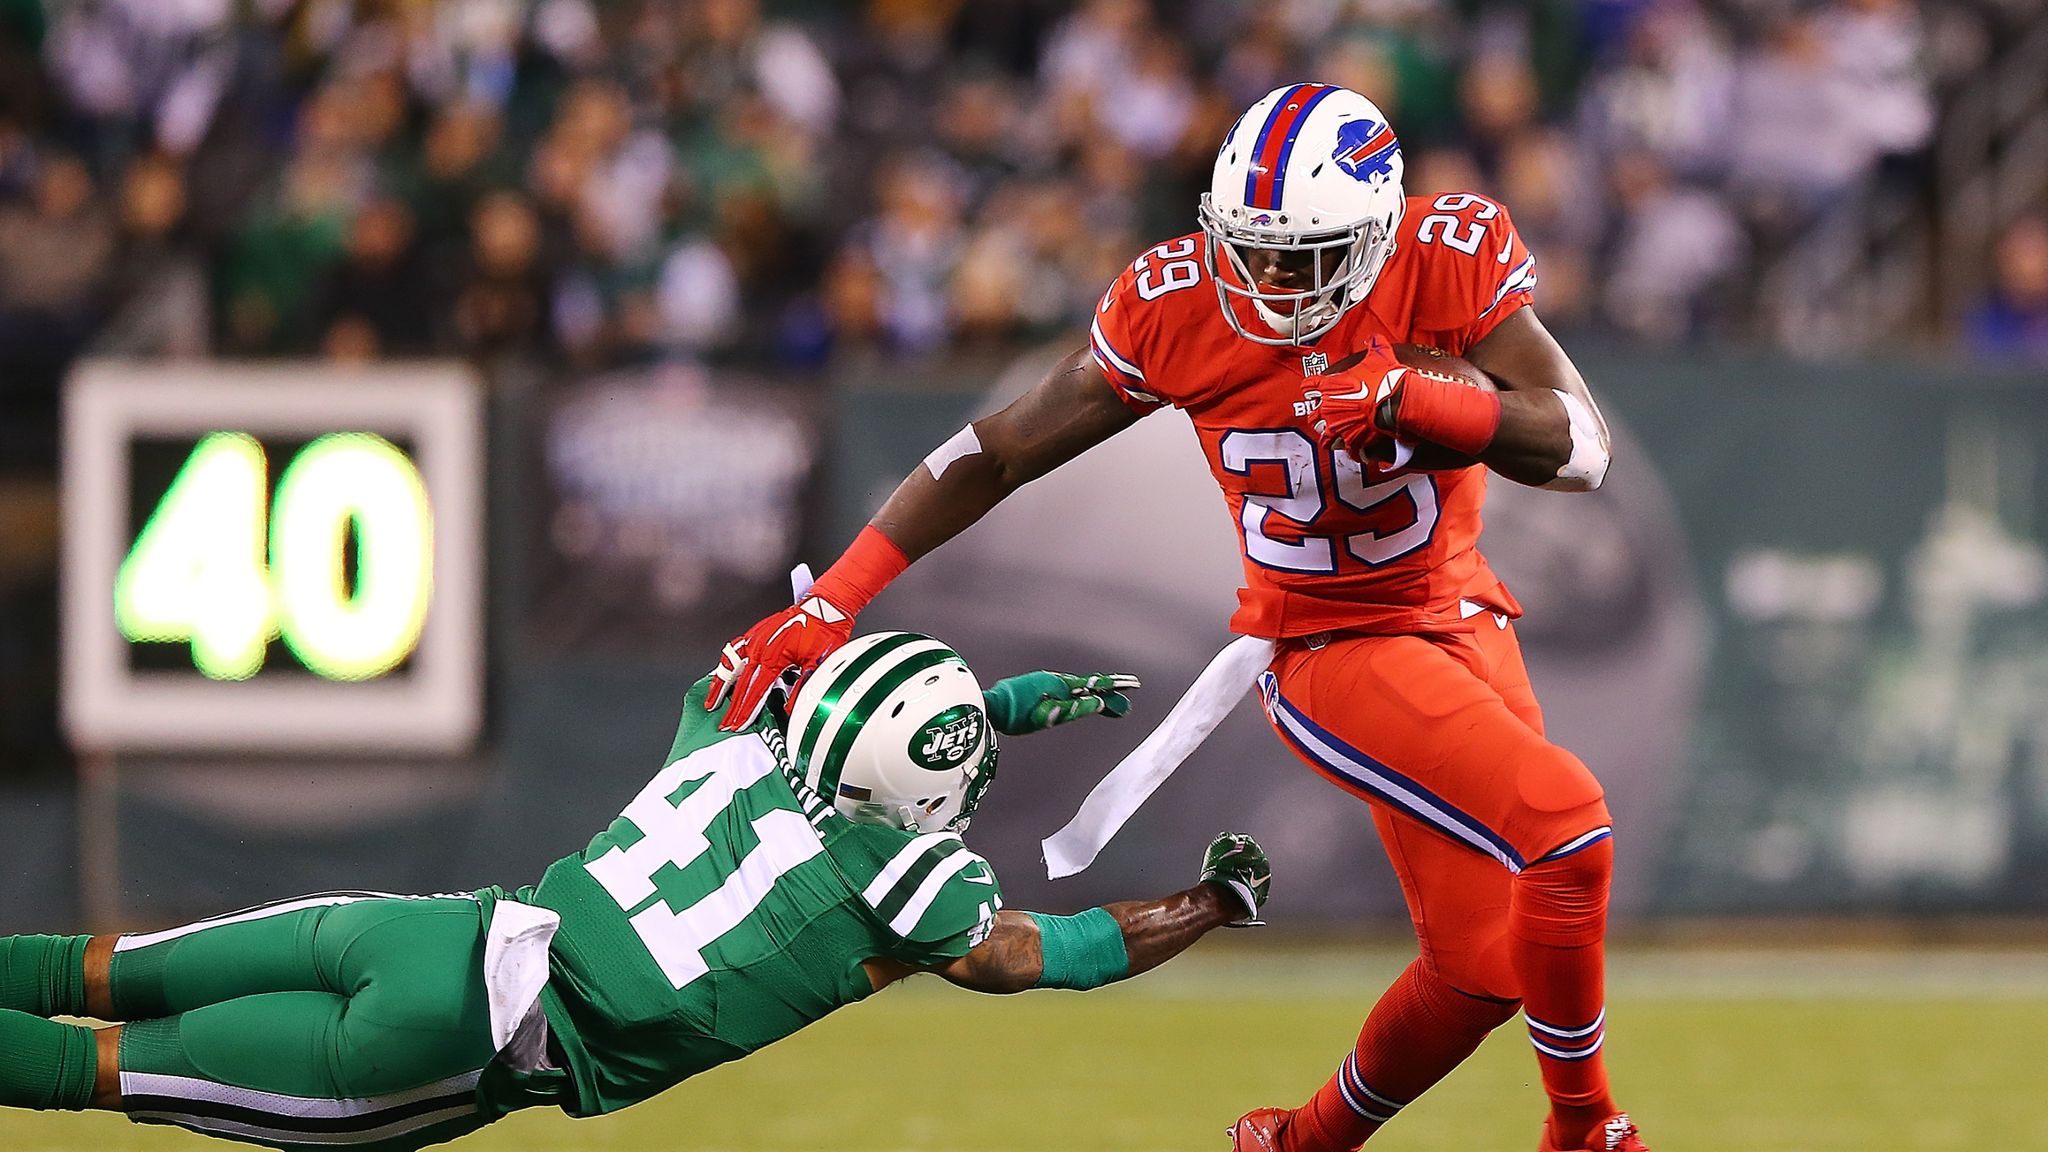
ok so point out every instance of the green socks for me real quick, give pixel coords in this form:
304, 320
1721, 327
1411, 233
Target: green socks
44, 1064
43, 975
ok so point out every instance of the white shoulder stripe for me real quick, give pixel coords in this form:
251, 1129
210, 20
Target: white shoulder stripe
1521, 279
886, 879
1102, 345
928, 891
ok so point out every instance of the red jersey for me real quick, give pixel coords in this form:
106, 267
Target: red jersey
1328, 543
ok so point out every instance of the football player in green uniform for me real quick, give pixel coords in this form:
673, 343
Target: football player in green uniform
761, 880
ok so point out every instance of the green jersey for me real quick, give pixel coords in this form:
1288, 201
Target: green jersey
729, 906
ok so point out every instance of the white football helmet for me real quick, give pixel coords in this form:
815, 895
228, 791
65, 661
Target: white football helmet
1309, 168
892, 729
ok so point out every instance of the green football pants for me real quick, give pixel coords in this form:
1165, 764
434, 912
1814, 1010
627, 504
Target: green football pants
334, 1020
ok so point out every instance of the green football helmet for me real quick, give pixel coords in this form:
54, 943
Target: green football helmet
891, 727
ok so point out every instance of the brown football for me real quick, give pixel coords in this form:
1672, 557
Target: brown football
1444, 366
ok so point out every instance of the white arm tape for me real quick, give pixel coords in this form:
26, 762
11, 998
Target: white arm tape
963, 444
1588, 463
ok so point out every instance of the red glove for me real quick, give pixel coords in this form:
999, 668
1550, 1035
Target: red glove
1349, 415
797, 638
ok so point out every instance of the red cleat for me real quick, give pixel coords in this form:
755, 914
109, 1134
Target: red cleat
1617, 1133
1259, 1130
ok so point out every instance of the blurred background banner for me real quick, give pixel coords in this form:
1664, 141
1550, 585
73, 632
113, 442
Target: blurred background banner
719, 272
675, 498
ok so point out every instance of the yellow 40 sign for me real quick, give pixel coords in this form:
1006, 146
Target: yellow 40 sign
205, 570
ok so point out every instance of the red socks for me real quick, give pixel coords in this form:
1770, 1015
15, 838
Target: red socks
1422, 1027
1558, 923
1420, 1030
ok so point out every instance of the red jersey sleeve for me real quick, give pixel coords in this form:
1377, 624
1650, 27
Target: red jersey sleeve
1115, 338
1128, 334
1479, 271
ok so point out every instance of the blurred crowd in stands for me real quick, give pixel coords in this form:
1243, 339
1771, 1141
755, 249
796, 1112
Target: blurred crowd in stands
607, 181
795, 183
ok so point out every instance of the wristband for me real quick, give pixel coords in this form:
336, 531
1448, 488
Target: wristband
1081, 952
1009, 701
863, 570
1447, 412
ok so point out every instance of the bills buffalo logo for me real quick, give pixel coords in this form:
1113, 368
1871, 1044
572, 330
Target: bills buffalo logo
949, 739
1366, 150
1262, 220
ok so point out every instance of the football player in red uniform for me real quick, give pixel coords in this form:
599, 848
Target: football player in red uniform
1396, 672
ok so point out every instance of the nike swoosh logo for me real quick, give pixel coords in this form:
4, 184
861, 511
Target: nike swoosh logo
981, 877
798, 619
1365, 391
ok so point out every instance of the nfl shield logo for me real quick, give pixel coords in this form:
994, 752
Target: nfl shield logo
1315, 364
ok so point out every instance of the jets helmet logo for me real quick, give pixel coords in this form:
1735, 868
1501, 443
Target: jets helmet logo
948, 740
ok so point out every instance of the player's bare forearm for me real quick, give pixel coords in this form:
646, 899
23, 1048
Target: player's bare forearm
1073, 409
1540, 442
1156, 931
1070, 411
1534, 439
1012, 959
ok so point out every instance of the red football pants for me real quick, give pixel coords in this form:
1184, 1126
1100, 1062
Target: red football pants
1443, 736
1500, 840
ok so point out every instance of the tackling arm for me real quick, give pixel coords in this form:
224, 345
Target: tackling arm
1027, 950
1551, 433
1013, 958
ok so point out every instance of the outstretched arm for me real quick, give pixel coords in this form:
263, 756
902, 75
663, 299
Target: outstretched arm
1551, 433
1028, 950
1073, 409
1035, 701
1013, 958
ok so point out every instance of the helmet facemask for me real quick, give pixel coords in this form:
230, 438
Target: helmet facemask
979, 777
1293, 316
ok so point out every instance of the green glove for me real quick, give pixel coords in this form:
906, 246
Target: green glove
1036, 701
1236, 861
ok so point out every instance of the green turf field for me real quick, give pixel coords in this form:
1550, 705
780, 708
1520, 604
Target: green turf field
1714, 1051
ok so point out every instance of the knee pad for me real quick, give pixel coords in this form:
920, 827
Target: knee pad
1551, 780
1561, 899
1560, 806
1479, 965
1461, 1010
